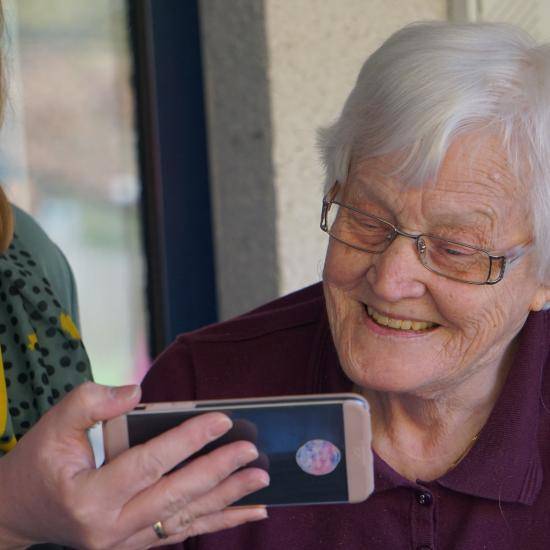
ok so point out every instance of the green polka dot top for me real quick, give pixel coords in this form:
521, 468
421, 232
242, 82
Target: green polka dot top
42, 356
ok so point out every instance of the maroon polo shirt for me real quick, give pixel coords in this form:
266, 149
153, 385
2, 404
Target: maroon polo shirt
497, 497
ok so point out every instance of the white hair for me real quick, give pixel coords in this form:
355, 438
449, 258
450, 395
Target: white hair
429, 83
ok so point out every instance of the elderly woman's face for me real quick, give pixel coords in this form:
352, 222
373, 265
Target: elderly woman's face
463, 328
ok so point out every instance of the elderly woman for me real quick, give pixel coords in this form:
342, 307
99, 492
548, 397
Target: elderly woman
438, 211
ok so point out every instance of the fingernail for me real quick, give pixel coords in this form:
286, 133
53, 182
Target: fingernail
125, 393
263, 478
261, 513
219, 426
247, 455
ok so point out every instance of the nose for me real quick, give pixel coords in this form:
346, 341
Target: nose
397, 273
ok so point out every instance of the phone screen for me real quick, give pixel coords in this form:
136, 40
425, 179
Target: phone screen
301, 447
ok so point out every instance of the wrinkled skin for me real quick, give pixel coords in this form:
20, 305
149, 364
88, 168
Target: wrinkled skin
456, 370
51, 491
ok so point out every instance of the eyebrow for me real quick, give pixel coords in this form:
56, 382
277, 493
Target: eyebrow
468, 217
463, 220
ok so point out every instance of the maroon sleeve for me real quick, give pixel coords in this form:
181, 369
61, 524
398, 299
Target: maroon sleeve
172, 377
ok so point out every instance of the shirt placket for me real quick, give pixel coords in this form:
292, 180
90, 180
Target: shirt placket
423, 518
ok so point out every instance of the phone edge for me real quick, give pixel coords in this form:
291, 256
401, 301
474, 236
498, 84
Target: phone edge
115, 437
359, 458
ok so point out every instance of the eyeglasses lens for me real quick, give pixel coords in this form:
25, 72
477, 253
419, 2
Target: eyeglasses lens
455, 260
358, 230
367, 233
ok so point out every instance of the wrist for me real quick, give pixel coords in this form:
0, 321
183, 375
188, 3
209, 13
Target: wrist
9, 539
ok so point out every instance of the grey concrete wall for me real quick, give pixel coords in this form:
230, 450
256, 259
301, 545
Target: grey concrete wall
240, 141
275, 71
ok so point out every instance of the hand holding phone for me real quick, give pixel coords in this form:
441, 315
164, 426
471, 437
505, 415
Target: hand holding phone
316, 448
51, 475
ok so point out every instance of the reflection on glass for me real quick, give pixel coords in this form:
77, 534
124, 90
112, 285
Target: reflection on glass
68, 156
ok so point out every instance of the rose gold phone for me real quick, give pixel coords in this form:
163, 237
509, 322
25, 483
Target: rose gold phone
316, 448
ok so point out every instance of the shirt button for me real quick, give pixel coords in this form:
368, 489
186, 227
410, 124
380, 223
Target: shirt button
424, 499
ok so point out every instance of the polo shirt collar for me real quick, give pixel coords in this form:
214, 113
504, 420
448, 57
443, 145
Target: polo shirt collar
504, 464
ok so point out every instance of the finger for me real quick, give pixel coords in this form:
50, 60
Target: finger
224, 520
178, 490
64, 425
89, 403
211, 523
231, 490
143, 465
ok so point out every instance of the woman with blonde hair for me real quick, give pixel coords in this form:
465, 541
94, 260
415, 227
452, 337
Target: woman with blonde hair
51, 490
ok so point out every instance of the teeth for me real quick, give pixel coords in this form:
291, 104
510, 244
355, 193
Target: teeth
394, 323
401, 324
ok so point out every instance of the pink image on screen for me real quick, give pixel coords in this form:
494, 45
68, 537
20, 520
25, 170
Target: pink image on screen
318, 457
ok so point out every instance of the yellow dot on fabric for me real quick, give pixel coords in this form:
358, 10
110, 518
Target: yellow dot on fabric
4, 409
68, 326
9, 445
33, 340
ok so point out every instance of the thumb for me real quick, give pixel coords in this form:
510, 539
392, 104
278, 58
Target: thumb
90, 403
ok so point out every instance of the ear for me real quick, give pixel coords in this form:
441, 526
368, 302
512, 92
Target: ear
540, 298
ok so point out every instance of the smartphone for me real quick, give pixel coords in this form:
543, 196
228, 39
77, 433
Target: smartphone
316, 448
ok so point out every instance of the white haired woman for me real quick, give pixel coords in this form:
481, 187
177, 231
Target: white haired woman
436, 276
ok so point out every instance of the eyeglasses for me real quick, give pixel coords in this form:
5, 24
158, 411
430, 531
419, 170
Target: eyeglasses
454, 260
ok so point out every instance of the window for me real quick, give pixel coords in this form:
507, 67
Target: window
68, 156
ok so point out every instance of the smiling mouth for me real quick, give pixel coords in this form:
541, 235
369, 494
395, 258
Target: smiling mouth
399, 324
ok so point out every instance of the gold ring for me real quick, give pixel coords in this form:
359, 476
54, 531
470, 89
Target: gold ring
158, 528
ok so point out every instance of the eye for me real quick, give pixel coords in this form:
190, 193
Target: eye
459, 251
454, 252
367, 223
451, 250
370, 225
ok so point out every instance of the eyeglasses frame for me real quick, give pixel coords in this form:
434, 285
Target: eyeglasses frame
507, 258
